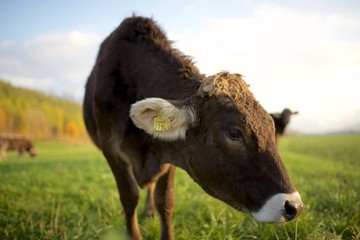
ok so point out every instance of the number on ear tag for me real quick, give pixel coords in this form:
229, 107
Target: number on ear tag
161, 123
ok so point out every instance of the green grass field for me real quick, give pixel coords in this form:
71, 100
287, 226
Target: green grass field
68, 192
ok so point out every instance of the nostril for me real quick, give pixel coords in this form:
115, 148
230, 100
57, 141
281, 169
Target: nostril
290, 210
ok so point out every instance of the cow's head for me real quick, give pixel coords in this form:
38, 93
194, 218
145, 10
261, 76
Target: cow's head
31, 149
229, 148
32, 152
286, 114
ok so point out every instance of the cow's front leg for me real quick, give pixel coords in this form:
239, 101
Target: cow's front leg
20, 154
129, 193
164, 201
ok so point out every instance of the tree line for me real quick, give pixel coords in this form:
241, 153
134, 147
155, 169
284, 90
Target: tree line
37, 115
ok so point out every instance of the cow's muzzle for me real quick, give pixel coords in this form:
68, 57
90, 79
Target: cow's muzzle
280, 208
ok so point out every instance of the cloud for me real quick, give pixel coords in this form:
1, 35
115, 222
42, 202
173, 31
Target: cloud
305, 61
58, 63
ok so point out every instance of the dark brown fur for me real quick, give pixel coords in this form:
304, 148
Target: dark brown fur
229, 149
281, 120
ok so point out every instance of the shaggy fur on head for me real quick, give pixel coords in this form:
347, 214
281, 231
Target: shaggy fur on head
237, 91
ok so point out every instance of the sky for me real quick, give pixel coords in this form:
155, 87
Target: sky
303, 55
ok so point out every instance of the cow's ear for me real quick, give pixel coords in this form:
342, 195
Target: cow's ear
166, 120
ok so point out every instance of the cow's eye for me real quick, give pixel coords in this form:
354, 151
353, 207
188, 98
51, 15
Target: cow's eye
234, 134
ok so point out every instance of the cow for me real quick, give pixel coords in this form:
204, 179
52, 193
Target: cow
150, 110
281, 120
18, 143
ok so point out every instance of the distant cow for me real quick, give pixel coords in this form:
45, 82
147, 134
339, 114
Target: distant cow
16, 143
149, 109
281, 120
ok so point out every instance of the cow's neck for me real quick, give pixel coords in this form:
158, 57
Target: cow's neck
174, 153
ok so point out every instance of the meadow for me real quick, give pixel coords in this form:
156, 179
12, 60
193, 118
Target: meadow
68, 192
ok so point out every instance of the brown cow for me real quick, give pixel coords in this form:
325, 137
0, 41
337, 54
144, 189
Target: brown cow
149, 109
281, 120
17, 143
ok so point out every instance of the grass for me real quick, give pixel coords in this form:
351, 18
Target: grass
68, 192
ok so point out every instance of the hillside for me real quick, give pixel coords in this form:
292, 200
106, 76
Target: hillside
38, 115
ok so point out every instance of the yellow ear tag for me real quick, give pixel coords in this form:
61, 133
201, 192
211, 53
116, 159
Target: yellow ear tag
161, 123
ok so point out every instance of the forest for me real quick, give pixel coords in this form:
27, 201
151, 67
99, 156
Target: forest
38, 115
